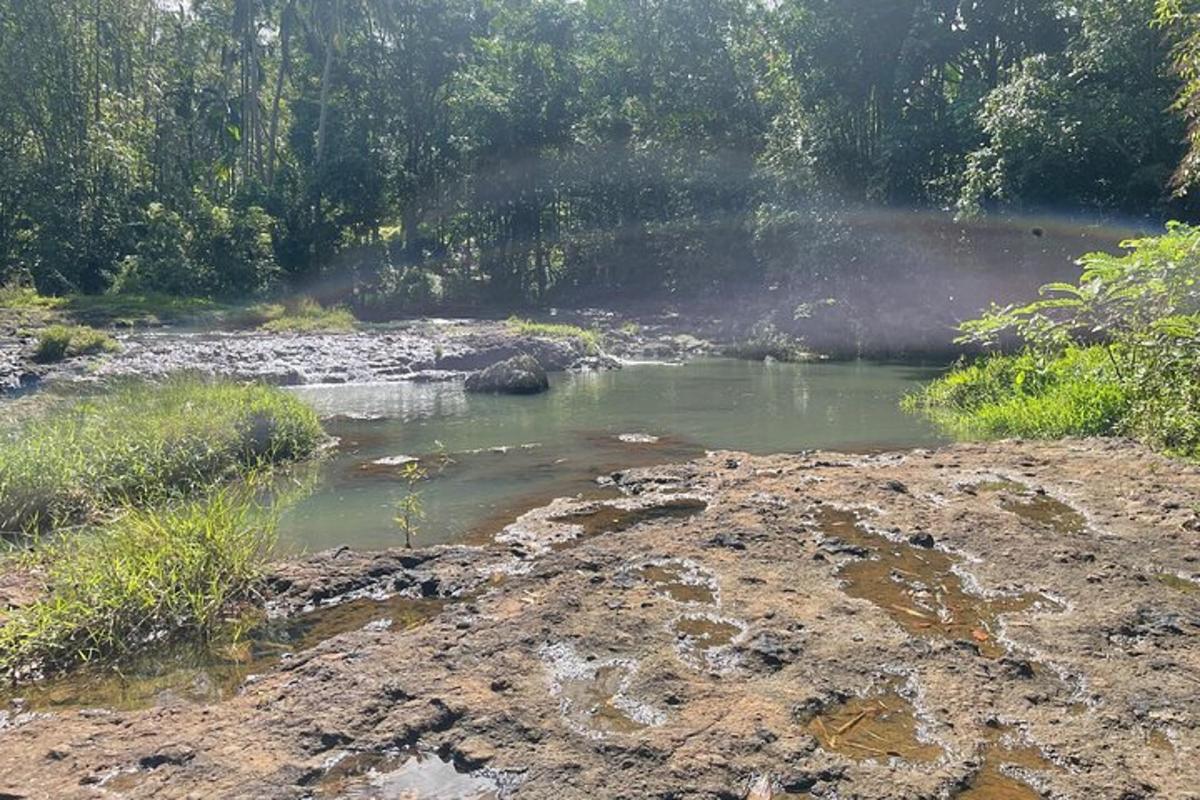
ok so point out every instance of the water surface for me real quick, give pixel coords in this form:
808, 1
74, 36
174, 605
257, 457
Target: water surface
491, 458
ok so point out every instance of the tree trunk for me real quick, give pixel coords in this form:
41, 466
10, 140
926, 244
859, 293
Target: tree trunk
285, 62
326, 77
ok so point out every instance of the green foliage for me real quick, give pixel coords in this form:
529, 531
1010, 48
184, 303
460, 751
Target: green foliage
1179, 18
1074, 394
590, 339
146, 575
304, 315
1141, 377
58, 342
138, 309
1082, 127
511, 152
142, 444
409, 508
219, 251
19, 296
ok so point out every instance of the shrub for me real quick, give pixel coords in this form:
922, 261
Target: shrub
59, 342
145, 576
163, 261
215, 250
1116, 352
401, 289
236, 247
145, 443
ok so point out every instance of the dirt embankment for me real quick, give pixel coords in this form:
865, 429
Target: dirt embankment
1002, 621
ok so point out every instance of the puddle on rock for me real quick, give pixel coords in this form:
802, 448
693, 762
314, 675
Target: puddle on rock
611, 519
1158, 740
881, 726
703, 639
995, 779
403, 776
1037, 507
594, 702
919, 588
1044, 510
680, 581
593, 695
1177, 582
208, 672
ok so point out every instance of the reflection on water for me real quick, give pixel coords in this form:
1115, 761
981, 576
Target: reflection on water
208, 671
577, 429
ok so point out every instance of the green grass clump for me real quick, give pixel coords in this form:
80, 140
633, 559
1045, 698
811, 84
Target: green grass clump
145, 443
302, 316
26, 298
1075, 394
58, 342
590, 339
146, 576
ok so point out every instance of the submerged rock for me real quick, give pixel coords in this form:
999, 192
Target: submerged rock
518, 375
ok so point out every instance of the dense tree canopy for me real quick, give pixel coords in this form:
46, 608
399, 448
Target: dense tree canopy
410, 151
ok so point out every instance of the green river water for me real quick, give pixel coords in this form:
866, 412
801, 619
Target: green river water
504, 455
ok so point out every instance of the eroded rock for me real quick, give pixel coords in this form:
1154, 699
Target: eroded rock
572, 674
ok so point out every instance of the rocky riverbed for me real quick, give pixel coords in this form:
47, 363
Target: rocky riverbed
1009, 621
422, 350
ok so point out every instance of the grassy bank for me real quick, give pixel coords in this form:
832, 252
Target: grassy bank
302, 316
1118, 352
147, 575
1075, 394
590, 339
143, 444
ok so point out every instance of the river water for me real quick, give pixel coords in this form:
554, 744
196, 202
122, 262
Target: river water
490, 458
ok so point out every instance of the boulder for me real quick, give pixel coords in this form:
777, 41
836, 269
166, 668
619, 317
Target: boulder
518, 375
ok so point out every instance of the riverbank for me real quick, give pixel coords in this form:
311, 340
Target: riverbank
417, 350
1008, 616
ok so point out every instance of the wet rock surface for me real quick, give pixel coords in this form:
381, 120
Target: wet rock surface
17, 370
422, 350
731, 651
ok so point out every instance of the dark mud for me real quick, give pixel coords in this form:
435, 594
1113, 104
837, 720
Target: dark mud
592, 664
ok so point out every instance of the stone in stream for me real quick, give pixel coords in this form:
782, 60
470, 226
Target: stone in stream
518, 375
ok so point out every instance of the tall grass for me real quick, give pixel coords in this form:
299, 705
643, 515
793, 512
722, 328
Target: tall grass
1075, 394
146, 576
590, 339
145, 443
